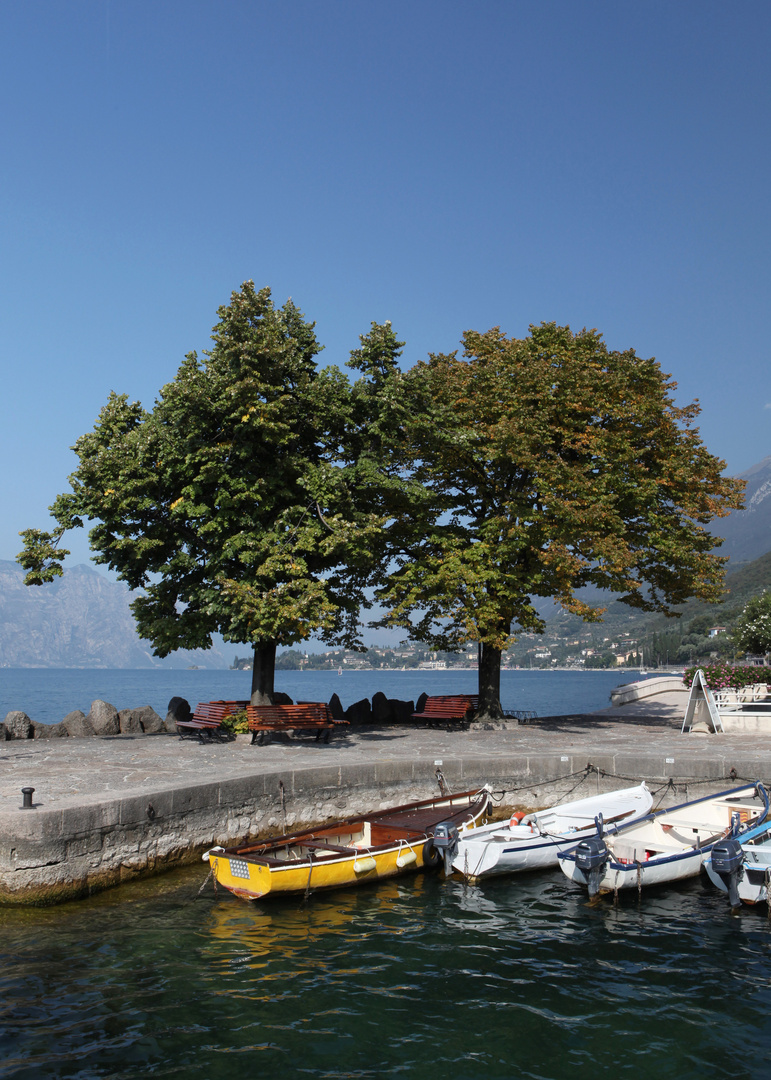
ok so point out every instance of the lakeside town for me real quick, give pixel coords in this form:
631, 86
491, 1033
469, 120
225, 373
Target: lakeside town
532, 651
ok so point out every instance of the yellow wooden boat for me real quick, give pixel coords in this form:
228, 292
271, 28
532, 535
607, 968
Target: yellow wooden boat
362, 849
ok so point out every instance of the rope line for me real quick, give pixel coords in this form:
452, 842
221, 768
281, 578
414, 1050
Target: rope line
671, 784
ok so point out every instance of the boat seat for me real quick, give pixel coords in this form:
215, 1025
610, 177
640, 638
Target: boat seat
687, 824
337, 849
636, 852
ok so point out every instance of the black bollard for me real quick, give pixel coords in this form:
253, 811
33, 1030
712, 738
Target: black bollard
27, 793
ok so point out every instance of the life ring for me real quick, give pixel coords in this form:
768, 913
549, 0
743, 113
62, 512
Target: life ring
432, 858
516, 819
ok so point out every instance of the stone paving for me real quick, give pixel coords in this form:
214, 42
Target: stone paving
77, 772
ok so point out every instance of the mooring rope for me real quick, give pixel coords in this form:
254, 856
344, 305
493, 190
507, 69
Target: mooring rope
671, 784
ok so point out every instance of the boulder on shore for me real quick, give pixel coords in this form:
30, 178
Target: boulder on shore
336, 708
381, 708
401, 711
179, 709
76, 725
129, 723
103, 718
149, 719
18, 725
359, 713
49, 731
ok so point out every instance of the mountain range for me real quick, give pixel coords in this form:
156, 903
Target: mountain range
747, 533
80, 620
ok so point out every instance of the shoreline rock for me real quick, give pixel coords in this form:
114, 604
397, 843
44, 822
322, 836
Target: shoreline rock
104, 720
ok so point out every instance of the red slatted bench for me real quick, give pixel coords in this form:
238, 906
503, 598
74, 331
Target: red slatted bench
448, 709
304, 716
205, 722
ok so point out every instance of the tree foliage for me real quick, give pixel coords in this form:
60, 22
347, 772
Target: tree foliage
227, 503
546, 464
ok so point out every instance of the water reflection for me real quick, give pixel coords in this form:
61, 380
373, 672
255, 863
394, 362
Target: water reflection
407, 979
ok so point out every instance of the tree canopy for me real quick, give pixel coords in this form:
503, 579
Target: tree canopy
227, 503
547, 464
261, 496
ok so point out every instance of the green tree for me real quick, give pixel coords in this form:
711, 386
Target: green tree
752, 630
228, 503
544, 465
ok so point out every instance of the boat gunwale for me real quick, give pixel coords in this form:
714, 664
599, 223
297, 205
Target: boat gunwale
626, 829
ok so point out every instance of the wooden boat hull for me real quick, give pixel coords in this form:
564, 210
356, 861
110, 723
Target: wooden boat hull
535, 844
668, 845
345, 853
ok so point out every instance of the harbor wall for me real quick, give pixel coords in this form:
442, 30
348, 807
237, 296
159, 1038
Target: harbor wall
50, 855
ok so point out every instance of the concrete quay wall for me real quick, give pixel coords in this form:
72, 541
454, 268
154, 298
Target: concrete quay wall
72, 844
645, 688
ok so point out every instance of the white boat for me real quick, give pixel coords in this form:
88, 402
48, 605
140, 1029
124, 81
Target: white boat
665, 846
741, 867
533, 842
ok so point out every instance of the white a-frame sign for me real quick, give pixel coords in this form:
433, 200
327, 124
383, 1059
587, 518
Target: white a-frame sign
701, 705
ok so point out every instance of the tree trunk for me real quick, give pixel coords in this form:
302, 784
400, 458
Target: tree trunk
263, 673
489, 683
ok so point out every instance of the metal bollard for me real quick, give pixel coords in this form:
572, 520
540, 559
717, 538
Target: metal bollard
27, 793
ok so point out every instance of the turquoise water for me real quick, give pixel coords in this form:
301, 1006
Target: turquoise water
415, 978
48, 695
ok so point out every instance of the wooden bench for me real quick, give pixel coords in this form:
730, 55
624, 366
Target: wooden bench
304, 716
448, 709
205, 723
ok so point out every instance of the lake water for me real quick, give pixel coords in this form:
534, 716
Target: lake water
47, 694
413, 978
519, 979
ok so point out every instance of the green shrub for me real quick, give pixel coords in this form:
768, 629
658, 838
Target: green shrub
236, 723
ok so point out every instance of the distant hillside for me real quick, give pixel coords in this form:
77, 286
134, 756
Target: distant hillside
80, 620
747, 533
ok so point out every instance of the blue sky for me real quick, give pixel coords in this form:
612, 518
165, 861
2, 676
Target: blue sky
443, 165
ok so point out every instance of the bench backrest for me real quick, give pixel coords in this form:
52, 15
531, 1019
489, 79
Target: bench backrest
284, 714
444, 703
217, 710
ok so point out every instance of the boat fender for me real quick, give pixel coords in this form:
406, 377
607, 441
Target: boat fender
432, 857
406, 857
211, 851
363, 864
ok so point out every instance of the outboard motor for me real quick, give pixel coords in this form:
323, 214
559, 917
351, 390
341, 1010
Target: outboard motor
446, 837
591, 856
727, 860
